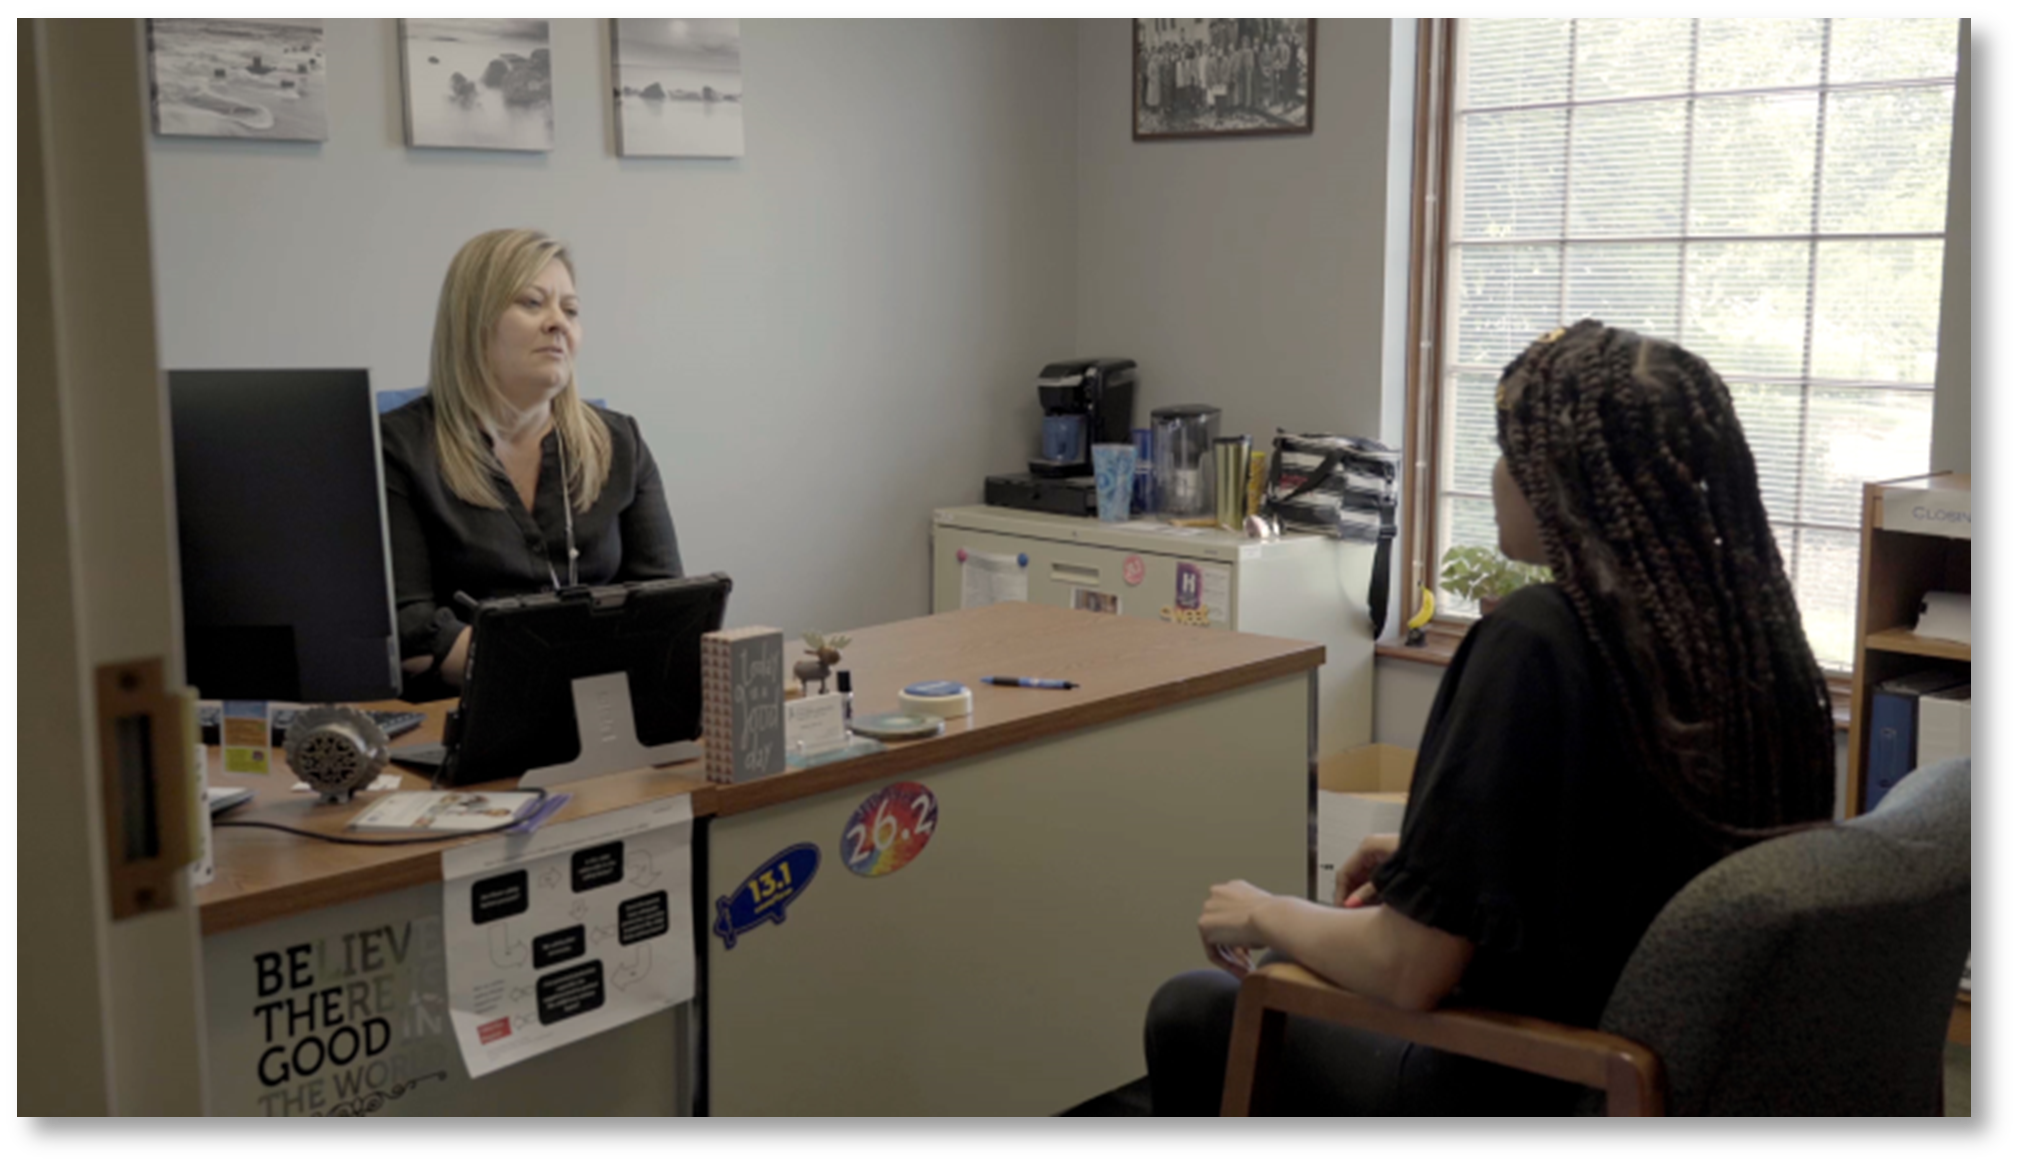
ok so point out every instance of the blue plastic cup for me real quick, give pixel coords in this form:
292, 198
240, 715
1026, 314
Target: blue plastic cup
1115, 477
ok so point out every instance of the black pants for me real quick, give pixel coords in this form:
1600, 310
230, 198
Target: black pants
1323, 1069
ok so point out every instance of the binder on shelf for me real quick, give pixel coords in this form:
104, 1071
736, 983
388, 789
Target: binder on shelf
1891, 740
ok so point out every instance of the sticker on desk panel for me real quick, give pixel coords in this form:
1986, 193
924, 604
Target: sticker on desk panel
890, 829
1133, 570
766, 892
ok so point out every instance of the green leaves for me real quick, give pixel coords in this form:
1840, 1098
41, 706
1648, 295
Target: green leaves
1478, 573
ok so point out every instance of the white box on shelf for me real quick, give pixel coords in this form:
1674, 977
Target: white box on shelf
1944, 725
1361, 793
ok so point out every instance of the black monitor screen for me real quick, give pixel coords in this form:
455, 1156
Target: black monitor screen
287, 587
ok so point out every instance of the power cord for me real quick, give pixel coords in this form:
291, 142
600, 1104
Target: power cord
532, 808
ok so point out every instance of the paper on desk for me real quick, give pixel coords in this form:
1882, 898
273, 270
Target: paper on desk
574, 930
1215, 580
387, 781
988, 578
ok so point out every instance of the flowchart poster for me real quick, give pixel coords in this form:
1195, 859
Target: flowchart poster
578, 928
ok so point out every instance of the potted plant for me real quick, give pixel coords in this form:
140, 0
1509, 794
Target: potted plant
1483, 575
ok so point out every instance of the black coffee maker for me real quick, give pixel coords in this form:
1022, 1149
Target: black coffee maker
1084, 402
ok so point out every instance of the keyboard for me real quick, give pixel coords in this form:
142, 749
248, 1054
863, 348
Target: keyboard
392, 722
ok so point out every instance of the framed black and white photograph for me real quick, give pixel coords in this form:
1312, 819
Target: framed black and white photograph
238, 79
678, 86
477, 84
1215, 78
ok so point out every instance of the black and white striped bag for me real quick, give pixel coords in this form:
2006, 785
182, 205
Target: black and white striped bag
1338, 486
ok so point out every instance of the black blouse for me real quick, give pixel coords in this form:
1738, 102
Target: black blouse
1529, 829
443, 545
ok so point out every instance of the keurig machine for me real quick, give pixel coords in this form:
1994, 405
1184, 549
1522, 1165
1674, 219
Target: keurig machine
1082, 402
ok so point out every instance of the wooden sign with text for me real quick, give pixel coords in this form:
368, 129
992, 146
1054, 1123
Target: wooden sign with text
743, 702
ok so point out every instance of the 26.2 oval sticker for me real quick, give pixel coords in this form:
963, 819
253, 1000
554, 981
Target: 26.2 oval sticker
890, 829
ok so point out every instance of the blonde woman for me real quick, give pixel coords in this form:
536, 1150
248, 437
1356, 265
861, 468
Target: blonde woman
501, 480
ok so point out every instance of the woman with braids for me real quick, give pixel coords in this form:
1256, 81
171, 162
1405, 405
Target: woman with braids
1596, 743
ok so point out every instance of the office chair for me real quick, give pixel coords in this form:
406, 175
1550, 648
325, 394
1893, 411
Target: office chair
1813, 974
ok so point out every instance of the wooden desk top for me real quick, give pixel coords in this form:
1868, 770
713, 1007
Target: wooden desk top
1124, 667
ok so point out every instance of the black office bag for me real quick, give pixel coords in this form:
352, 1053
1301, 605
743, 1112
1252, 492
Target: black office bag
1342, 487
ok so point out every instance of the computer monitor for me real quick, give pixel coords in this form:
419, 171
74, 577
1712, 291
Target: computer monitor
626, 659
287, 585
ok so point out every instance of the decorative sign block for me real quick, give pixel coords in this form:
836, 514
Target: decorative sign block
743, 698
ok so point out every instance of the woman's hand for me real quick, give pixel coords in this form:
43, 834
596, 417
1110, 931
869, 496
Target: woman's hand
454, 664
1351, 886
1228, 927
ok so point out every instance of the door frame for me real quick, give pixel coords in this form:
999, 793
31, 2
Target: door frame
109, 1006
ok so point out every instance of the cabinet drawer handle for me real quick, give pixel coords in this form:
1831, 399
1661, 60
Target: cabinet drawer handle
1074, 573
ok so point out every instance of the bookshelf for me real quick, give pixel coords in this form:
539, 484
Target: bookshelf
1915, 538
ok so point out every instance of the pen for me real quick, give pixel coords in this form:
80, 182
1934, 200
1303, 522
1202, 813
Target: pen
1029, 683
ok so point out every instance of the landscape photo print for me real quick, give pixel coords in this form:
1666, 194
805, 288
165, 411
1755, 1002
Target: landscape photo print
238, 79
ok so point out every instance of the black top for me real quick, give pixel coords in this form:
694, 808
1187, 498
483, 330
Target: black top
1529, 830
443, 545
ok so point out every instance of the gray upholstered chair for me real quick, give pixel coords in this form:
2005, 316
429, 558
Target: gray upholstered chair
1810, 975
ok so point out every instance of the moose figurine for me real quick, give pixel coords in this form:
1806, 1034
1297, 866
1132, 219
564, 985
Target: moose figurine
826, 653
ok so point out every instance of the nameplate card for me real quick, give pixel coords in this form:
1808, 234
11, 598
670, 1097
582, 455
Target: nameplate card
743, 694
814, 724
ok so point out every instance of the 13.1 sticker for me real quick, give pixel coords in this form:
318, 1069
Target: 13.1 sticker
890, 829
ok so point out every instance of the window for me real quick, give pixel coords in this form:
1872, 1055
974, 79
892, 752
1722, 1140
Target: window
1769, 193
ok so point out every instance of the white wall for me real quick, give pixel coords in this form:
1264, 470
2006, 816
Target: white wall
821, 341
1256, 274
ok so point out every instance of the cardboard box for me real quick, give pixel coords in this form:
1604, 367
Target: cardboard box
1361, 793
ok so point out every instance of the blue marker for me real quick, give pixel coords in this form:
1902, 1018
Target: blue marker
1029, 683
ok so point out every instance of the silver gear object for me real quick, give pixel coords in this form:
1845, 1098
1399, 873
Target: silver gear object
337, 751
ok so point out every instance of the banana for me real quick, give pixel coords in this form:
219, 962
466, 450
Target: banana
1424, 612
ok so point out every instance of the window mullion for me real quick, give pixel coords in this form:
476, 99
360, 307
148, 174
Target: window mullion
1684, 211
1817, 199
1565, 204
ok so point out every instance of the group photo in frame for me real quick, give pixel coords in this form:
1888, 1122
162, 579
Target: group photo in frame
1216, 78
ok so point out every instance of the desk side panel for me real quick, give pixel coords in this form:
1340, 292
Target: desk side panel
383, 956
1006, 970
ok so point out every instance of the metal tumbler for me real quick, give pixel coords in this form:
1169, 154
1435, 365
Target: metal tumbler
1231, 481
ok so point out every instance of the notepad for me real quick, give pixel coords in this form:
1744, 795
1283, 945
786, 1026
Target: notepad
444, 811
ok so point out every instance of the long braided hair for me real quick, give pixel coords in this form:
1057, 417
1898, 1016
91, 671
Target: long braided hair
1629, 452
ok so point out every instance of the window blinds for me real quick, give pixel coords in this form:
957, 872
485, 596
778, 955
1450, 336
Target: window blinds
1769, 193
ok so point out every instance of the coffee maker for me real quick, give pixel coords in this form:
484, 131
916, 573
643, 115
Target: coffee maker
1082, 402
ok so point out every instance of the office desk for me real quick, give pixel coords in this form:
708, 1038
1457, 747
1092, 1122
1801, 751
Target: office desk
1005, 970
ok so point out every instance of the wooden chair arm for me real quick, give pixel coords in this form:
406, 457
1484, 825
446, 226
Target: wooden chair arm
1630, 1073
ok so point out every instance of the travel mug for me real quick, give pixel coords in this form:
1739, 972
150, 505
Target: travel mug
1231, 481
